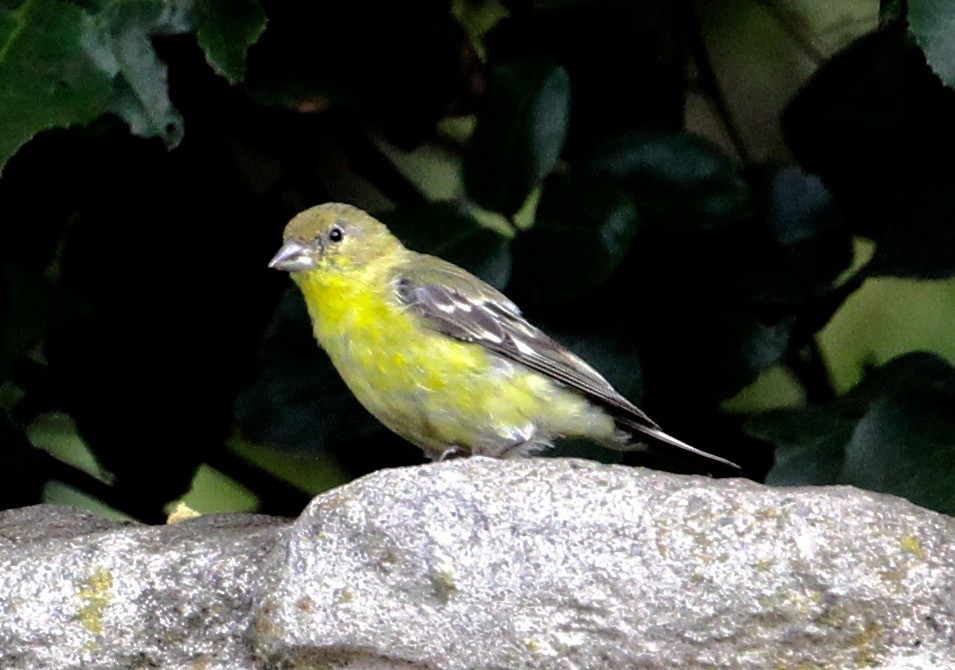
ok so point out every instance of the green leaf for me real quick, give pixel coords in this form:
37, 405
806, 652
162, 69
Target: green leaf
47, 78
679, 181
581, 235
478, 17
62, 65
894, 432
450, 230
519, 135
932, 22
123, 49
225, 30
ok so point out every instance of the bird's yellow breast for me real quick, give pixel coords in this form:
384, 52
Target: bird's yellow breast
396, 368
362, 326
428, 387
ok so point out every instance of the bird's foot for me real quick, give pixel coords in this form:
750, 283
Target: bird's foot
453, 452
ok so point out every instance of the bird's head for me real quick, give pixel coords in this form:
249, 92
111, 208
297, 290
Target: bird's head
333, 238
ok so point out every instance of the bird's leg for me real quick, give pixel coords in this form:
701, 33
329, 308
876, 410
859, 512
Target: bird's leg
524, 440
513, 450
453, 451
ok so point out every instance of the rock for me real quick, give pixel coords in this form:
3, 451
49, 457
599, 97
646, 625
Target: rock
478, 563
77, 591
568, 564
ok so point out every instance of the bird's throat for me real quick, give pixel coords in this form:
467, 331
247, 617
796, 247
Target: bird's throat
340, 304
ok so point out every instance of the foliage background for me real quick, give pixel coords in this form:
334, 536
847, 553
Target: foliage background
762, 187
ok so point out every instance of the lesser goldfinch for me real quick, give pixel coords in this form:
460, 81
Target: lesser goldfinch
439, 356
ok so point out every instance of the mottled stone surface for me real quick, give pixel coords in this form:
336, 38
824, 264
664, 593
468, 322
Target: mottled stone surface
476, 563
566, 564
77, 591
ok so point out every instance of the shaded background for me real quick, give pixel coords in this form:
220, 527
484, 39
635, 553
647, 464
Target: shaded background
740, 212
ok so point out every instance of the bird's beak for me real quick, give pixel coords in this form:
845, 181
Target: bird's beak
294, 256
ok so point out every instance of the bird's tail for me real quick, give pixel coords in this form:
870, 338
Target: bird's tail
639, 435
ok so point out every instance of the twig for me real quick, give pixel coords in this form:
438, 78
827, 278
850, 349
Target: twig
809, 365
817, 314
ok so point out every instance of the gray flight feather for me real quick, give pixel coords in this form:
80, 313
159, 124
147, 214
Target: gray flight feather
457, 303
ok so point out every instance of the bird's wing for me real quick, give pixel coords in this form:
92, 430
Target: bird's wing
456, 303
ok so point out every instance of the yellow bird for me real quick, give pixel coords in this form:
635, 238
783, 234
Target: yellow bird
439, 356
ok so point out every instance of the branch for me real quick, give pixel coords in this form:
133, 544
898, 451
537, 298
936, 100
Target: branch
808, 362
809, 366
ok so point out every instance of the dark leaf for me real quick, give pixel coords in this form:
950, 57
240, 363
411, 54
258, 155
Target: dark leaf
520, 132
47, 77
863, 109
932, 22
703, 347
716, 308
891, 11
450, 230
626, 62
810, 246
225, 30
122, 47
918, 239
28, 302
299, 402
399, 64
810, 444
905, 444
894, 432
21, 468
875, 123
581, 235
678, 181
910, 373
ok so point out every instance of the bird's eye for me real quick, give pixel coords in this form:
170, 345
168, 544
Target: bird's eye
336, 234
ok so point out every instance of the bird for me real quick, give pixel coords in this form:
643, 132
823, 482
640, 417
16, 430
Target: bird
442, 358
